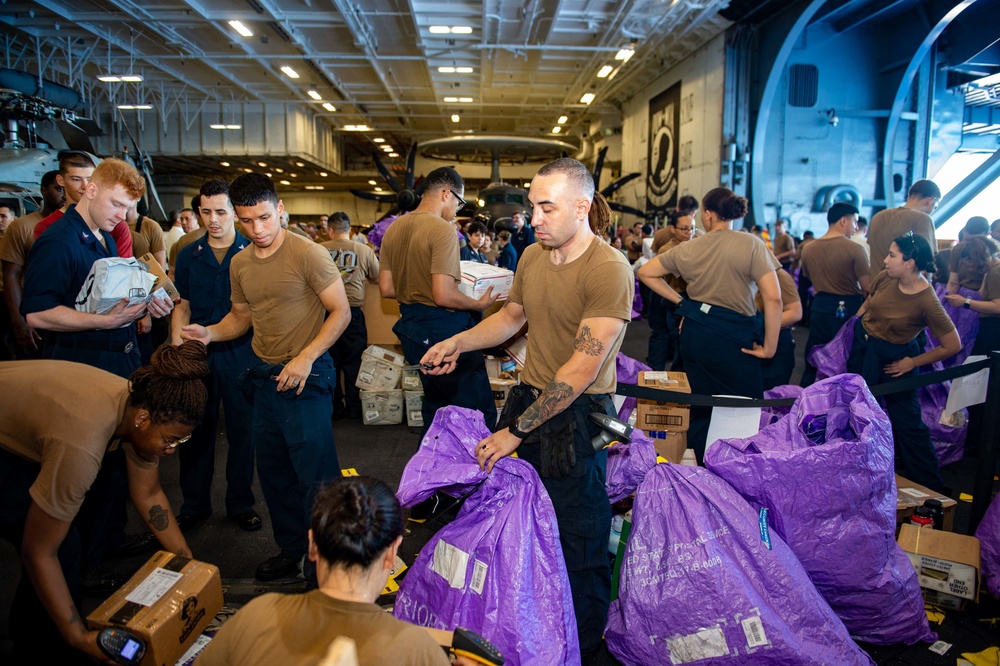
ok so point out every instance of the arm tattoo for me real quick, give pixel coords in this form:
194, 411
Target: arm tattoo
74, 616
158, 518
556, 397
587, 343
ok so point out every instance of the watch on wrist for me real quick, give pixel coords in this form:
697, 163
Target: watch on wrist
967, 304
514, 430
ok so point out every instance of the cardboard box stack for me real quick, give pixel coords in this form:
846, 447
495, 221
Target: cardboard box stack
947, 565
167, 603
665, 422
381, 369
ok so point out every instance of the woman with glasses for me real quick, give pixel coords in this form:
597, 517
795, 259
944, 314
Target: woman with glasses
723, 339
900, 304
60, 423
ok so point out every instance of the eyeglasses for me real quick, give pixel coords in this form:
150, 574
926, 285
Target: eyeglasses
684, 229
171, 443
461, 201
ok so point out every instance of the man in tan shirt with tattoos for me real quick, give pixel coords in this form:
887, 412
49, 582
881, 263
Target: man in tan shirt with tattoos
575, 292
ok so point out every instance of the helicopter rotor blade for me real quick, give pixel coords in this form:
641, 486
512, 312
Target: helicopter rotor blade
386, 175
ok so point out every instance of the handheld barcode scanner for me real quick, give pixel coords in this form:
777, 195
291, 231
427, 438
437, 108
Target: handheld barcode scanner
122, 646
612, 430
469, 644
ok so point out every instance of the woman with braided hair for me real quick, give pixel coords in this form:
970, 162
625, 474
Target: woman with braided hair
59, 423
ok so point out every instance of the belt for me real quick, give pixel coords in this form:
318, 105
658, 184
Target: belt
94, 345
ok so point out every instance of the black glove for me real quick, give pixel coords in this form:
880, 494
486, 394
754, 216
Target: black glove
558, 455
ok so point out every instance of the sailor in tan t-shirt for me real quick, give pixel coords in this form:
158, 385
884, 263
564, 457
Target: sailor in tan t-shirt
290, 291
575, 292
358, 267
60, 424
420, 269
914, 215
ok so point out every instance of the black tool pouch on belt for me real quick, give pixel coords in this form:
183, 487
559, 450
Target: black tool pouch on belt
557, 450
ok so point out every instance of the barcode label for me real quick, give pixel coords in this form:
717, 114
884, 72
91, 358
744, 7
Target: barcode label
940, 647
754, 630
478, 577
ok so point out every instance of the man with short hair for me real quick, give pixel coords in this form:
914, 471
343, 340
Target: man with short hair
190, 218
838, 269
323, 229
6, 217
507, 257
633, 243
75, 169
861, 235
575, 291
14, 254
176, 230
915, 215
420, 269
523, 234
195, 230
358, 266
202, 279
784, 245
292, 294
59, 262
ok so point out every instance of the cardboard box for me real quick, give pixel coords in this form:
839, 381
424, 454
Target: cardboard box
156, 270
410, 381
660, 416
477, 278
381, 369
910, 495
518, 350
946, 563
167, 603
414, 403
670, 445
501, 390
381, 314
496, 366
382, 407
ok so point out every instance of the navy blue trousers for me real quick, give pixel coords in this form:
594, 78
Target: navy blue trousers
293, 438
583, 513
661, 349
421, 327
824, 324
710, 346
227, 361
346, 353
915, 456
777, 370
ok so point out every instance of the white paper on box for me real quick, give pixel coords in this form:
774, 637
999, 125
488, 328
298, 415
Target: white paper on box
155, 586
913, 492
968, 390
705, 644
945, 576
450, 563
733, 422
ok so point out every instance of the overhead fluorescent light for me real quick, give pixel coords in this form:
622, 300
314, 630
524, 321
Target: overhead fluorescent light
455, 30
279, 170
329, 107
455, 117
624, 54
464, 70
285, 182
440, 30
356, 128
240, 28
604, 71
248, 170
224, 163
262, 164
556, 129
134, 107
446, 70
294, 175
300, 164
465, 100
393, 154
378, 189
378, 139
562, 120
372, 182
289, 72
268, 174
324, 174
315, 95
131, 78
387, 148
587, 98
461, 30
450, 100
109, 78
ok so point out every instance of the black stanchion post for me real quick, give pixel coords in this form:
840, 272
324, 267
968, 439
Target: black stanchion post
983, 492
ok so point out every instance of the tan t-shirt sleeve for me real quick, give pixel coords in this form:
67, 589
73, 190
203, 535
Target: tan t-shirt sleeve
668, 260
13, 247
153, 232
320, 269
371, 264
862, 265
444, 252
236, 271
66, 474
762, 261
937, 318
610, 293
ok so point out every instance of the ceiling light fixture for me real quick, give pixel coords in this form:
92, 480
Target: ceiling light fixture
455, 117
294, 175
329, 107
372, 182
464, 70
131, 78
315, 95
556, 129
450, 100
324, 174
120, 78
356, 128
268, 174
562, 120
248, 170
393, 154
262, 164
279, 170
240, 28
465, 100
461, 30
224, 163
587, 98
378, 139
378, 189
285, 182
440, 30
624, 54
289, 72
134, 107
604, 71
446, 70
300, 164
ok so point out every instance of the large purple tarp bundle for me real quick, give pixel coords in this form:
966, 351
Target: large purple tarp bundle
769, 415
988, 534
699, 583
627, 372
628, 463
825, 473
966, 323
831, 359
377, 232
498, 568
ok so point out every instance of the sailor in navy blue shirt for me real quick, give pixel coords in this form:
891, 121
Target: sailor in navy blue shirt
201, 275
474, 250
59, 262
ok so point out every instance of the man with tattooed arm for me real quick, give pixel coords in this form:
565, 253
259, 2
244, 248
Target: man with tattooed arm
575, 291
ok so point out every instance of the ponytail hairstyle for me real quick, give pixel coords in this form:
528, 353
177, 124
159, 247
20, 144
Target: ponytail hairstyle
170, 388
599, 216
725, 204
915, 247
354, 520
